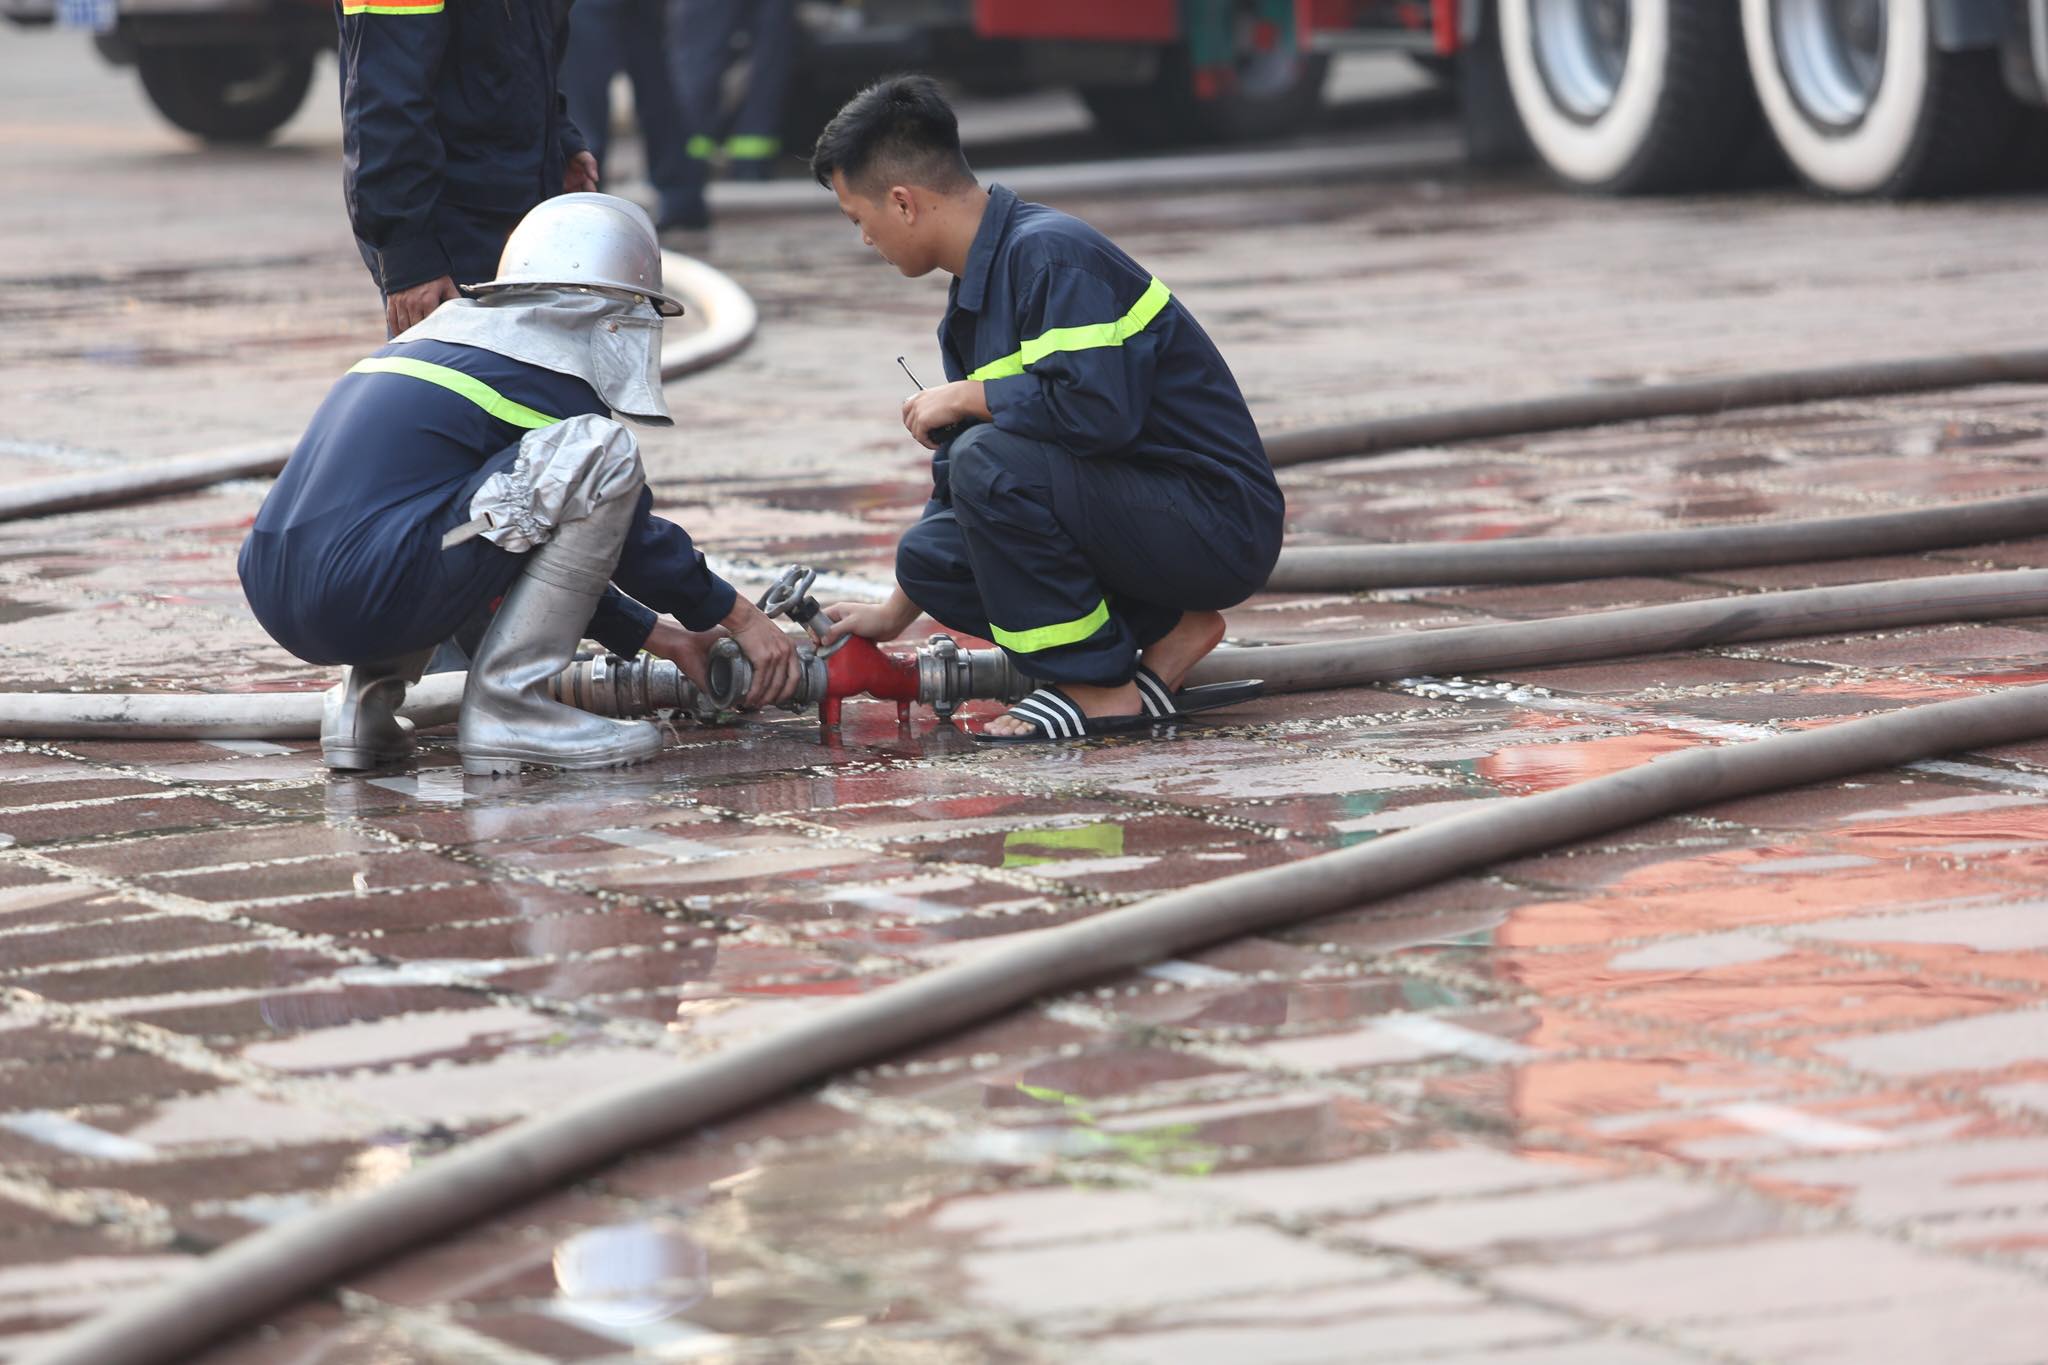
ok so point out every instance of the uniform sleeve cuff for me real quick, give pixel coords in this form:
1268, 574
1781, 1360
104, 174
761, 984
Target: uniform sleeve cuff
623, 625
713, 607
415, 261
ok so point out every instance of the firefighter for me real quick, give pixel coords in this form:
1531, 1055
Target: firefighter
606, 36
700, 38
453, 126
1108, 495
476, 457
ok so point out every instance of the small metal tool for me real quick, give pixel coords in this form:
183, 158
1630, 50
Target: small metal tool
939, 435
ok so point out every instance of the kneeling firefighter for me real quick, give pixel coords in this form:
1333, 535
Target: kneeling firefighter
476, 457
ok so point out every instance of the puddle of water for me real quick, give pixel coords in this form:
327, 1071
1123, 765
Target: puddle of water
627, 1277
55, 1130
1102, 838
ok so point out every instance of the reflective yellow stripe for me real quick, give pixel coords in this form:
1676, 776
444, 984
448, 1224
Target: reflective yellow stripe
455, 381
1149, 305
699, 147
752, 147
393, 6
1052, 637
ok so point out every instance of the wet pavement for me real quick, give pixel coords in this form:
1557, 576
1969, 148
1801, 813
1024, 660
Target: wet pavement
1767, 1082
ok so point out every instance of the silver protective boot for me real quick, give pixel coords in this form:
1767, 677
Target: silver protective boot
359, 722
508, 719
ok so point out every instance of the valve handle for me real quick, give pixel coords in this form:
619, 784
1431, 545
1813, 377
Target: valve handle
791, 596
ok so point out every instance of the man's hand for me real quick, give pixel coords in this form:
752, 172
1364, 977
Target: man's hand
408, 306
580, 174
689, 650
927, 410
872, 620
772, 653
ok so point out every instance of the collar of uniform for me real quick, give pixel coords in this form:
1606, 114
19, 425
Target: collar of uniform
995, 219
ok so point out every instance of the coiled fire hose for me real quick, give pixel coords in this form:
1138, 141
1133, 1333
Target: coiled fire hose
269, 1269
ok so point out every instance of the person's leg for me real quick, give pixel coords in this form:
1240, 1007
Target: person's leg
933, 570
699, 38
601, 40
508, 718
1173, 548
756, 139
677, 180
1045, 604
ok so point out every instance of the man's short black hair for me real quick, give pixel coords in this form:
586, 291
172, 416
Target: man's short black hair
898, 131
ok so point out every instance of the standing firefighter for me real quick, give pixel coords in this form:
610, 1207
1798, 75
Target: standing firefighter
1109, 495
453, 126
700, 36
474, 457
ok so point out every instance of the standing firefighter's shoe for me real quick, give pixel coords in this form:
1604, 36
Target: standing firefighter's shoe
359, 724
508, 720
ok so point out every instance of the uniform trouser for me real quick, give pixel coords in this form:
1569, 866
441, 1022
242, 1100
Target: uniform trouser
1073, 564
605, 37
700, 43
424, 595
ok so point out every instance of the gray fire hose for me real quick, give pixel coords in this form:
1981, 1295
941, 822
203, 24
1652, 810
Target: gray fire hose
270, 1269
1352, 568
1697, 398
949, 675
734, 319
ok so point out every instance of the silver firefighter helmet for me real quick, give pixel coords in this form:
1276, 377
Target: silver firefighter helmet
586, 240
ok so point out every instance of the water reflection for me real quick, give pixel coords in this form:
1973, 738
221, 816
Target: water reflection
630, 1274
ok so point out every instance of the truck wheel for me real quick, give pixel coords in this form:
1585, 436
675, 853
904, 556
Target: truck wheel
225, 93
1863, 103
1272, 93
1629, 96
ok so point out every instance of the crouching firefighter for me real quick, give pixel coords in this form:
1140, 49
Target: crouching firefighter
1100, 493
474, 458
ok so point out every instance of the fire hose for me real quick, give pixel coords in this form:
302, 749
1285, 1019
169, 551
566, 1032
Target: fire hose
941, 675
734, 318
1694, 549
1695, 398
271, 1268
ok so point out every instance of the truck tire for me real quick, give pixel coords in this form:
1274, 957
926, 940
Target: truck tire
237, 93
1276, 94
1862, 102
1629, 96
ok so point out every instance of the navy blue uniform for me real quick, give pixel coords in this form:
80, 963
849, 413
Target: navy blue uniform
1121, 481
700, 41
452, 128
605, 37
344, 564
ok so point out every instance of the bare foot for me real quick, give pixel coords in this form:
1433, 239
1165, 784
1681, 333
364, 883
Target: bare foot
1093, 701
1181, 648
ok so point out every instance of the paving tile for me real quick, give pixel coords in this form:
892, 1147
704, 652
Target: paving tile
1985, 1042
1151, 1268
1983, 1328
213, 848
136, 815
1620, 1218
1791, 1275
321, 876
1401, 1177
124, 937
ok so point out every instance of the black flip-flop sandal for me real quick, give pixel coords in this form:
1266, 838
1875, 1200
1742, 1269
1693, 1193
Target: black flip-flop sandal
1055, 717
1162, 705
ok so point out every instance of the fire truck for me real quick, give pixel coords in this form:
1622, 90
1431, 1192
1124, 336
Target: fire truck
1884, 98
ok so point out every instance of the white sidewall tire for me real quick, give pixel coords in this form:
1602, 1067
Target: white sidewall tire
1866, 158
1596, 153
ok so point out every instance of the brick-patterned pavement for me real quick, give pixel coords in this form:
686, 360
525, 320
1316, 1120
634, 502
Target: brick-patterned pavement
1764, 1083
